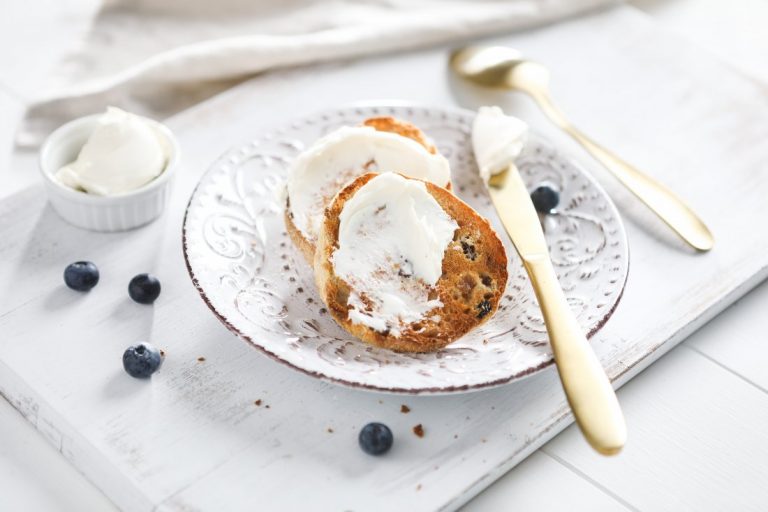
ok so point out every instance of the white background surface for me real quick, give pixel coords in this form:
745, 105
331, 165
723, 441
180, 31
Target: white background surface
697, 415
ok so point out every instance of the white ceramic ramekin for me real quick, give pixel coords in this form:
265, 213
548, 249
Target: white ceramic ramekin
102, 213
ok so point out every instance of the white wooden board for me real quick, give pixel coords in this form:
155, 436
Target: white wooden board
192, 438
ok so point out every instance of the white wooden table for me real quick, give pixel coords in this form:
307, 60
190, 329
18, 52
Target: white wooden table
697, 415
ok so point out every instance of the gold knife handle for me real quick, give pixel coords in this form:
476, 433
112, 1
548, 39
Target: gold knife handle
585, 383
662, 201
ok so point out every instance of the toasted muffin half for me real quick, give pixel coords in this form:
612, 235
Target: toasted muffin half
467, 293
303, 240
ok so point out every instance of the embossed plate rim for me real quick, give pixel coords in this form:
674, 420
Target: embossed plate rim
421, 390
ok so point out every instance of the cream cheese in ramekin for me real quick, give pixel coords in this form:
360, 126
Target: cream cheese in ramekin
123, 153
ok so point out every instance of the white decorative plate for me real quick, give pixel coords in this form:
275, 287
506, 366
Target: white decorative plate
247, 271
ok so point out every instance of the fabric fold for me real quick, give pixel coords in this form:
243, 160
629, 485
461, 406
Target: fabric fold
158, 57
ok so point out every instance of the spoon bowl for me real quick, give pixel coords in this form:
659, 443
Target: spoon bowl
499, 67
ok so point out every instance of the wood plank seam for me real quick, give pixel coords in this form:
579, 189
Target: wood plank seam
605, 490
724, 367
562, 421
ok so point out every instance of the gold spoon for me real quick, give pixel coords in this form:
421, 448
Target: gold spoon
504, 68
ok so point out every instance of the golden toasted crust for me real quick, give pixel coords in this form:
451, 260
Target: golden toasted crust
306, 247
400, 127
470, 287
382, 124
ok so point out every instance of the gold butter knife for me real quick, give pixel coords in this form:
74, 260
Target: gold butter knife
585, 383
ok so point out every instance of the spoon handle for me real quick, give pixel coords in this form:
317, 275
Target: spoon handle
662, 201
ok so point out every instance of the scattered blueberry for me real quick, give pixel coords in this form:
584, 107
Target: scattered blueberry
375, 439
144, 288
141, 360
81, 275
545, 198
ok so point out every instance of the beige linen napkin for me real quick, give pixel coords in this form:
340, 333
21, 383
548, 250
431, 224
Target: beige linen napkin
157, 57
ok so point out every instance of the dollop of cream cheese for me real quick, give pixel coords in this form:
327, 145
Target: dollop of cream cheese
497, 139
325, 167
392, 238
123, 153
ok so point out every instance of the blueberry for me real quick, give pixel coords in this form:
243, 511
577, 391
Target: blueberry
141, 360
545, 198
375, 438
81, 275
144, 288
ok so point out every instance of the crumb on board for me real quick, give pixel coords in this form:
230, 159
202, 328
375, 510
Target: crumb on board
455, 436
381, 401
200, 359
266, 406
483, 440
419, 430
405, 409
257, 402
330, 430
418, 487
162, 353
